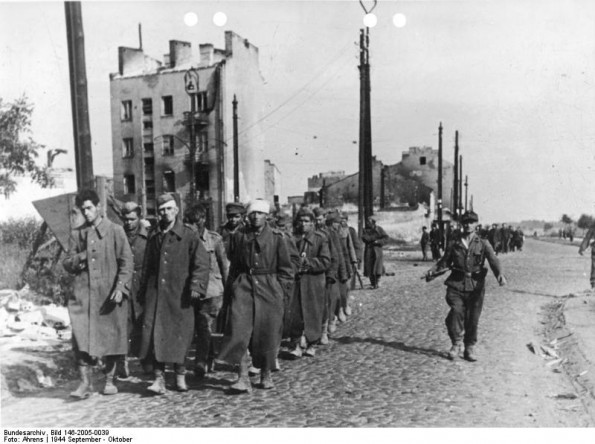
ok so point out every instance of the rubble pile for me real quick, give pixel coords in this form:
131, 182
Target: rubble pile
19, 317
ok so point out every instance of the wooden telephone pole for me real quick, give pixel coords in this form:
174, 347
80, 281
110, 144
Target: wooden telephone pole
366, 192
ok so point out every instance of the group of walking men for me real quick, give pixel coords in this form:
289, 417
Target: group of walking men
150, 292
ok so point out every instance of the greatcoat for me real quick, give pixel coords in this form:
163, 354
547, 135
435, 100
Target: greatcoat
374, 238
261, 273
101, 260
176, 263
308, 301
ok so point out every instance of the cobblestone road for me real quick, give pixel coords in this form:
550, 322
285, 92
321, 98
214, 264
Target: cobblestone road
386, 366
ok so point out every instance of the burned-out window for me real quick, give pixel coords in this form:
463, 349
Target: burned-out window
167, 145
167, 106
169, 181
147, 107
127, 147
129, 184
126, 110
422, 160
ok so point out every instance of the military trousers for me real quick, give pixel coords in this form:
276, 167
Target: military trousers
463, 317
205, 315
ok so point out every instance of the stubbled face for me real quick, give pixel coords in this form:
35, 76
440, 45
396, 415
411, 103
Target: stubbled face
90, 211
167, 213
234, 220
131, 221
257, 219
320, 222
305, 224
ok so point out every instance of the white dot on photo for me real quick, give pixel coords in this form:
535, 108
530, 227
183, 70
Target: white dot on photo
190, 19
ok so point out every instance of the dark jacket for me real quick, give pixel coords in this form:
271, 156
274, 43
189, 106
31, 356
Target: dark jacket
138, 245
374, 238
176, 264
307, 305
261, 273
101, 260
467, 264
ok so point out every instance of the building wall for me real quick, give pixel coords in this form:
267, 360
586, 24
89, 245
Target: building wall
222, 73
346, 190
328, 178
272, 181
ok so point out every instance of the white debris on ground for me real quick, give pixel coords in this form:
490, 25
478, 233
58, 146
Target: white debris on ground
28, 326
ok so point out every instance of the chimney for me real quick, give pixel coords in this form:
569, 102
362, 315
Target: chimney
179, 52
166, 60
206, 53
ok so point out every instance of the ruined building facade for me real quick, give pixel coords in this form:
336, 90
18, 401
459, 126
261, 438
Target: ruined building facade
150, 113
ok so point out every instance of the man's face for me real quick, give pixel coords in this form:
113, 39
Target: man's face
469, 226
257, 219
201, 222
336, 225
343, 222
168, 212
370, 223
131, 221
91, 212
320, 221
234, 220
305, 224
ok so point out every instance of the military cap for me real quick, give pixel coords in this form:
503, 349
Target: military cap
305, 212
260, 205
233, 208
129, 207
318, 211
165, 198
333, 217
283, 219
469, 216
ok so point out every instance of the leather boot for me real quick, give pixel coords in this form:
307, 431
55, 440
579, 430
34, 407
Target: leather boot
470, 353
332, 325
324, 336
266, 381
453, 353
110, 388
158, 387
243, 384
123, 369
85, 388
181, 382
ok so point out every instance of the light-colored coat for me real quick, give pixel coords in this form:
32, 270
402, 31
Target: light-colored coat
101, 260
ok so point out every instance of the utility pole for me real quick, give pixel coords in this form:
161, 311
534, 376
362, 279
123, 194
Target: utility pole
236, 153
83, 154
440, 228
466, 185
460, 184
455, 201
365, 195
191, 88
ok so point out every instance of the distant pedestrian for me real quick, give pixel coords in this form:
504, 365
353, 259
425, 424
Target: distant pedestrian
100, 258
261, 273
465, 258
435, 242
234, 212
589, 242
425, 238
175, 277
374, 237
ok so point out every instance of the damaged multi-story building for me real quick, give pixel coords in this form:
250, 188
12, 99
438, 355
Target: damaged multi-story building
154, 131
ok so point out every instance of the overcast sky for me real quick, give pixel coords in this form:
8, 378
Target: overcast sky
515, 78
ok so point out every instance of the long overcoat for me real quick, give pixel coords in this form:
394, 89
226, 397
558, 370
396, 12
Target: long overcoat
374, 238
307, 304
261, 274
176, 263
101, 260
138, 245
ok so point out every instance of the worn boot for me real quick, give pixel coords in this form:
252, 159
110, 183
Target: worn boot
123, 370
348, 310
158, 386
342, 317
453, 353
470, 353
324, 336
110, 388
332, 325
266, 381
243, 384
181, 382
85, 388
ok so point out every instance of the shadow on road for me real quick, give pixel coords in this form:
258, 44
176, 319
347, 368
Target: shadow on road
392, 344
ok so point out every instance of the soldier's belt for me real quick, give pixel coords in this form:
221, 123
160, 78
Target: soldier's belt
255, 271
